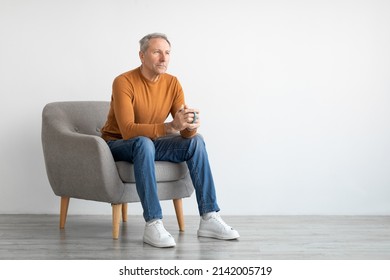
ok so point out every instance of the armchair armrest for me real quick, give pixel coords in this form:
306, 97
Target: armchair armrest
80, 165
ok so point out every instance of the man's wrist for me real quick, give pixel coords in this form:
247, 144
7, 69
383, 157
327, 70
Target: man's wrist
169, 128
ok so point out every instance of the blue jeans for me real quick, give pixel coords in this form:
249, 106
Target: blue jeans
143, 152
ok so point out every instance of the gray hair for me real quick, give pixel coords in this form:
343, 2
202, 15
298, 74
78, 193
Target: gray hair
144, 42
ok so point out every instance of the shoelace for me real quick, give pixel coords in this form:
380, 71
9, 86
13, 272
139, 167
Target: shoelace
218, 218
160, 227
156, 222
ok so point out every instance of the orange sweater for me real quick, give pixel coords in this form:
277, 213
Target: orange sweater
140, 107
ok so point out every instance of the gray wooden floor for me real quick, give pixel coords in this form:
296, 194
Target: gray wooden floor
262, 237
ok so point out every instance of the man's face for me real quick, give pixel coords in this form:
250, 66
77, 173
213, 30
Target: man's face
155, 59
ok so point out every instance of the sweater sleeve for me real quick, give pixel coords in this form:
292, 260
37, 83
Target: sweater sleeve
122, 97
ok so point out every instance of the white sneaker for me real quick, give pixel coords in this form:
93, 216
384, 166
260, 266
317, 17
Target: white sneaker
156, 235
215, 227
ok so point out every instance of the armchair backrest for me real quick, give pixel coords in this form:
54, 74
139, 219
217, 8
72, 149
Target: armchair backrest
85, 117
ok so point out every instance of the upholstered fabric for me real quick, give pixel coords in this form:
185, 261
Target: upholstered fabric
165, 171
79, 163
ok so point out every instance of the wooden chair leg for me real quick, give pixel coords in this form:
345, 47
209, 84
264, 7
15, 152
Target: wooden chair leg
64, 211
116, 219
124, 212
178, 203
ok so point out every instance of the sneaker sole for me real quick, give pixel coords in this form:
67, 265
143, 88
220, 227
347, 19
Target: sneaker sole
205, 233
159, 245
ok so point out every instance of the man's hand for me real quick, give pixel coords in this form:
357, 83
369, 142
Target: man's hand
185, 118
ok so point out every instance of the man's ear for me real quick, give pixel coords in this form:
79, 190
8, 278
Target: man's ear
141, 56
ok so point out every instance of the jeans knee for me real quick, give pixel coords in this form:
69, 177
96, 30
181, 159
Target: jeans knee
197, 144
198, 140
145, 146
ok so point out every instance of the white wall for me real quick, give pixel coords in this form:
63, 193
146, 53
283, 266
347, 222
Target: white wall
294, 95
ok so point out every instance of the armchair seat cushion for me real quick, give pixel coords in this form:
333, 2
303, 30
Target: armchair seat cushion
165, 171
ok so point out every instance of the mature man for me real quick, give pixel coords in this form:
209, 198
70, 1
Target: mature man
135, 131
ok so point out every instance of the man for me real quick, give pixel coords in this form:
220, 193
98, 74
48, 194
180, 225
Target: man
135, 128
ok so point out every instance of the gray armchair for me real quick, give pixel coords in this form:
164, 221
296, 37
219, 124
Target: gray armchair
80, 165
